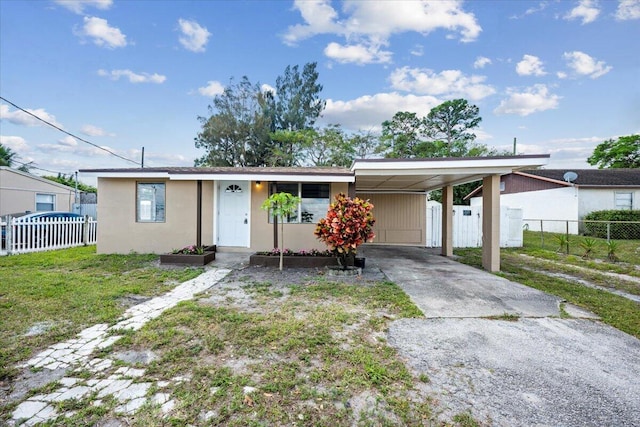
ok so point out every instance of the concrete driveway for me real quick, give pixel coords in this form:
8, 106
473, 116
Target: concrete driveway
540, 370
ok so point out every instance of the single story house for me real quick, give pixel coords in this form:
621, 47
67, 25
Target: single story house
22, 191
155, 210
556, 196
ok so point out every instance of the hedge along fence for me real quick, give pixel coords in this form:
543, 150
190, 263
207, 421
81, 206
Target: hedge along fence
613, 224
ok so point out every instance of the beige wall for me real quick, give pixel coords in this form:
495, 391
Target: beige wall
118, 231
296, 236
400, 218
18, 192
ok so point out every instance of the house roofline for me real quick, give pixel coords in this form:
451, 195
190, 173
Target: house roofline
38, 178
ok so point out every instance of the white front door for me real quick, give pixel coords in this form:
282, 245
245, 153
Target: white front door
233, 213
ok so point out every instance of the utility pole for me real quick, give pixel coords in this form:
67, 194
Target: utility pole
514, 145
142, 164
77, 206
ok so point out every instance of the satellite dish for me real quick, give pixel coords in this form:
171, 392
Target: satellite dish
570, 176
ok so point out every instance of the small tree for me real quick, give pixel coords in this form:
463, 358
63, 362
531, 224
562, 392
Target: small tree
348, 224
281, 205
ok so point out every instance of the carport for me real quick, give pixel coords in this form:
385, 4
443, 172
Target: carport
424, 175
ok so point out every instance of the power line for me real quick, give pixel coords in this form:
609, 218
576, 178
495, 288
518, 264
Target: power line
31, 166
68, 133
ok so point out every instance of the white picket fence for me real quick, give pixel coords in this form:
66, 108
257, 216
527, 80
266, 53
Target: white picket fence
48, 234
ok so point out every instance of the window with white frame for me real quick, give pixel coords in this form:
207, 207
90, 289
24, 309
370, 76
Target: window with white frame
624, 201
315, 198
45, 202
150, 202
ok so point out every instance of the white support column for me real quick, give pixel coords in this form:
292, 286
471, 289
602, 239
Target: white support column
447, 220
491, 223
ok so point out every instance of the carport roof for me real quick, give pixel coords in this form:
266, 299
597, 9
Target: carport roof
435, 173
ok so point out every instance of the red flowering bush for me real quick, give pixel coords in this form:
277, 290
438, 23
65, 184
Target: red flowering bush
348, 224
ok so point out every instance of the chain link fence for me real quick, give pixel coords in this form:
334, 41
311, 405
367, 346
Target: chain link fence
611, 240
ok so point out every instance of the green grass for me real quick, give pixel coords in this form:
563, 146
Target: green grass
614, 310
307, 354
628, 251
69, 290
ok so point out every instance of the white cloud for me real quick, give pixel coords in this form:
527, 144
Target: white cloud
18, 117
369, 111
447, 83
481, 62
68, 141
562, 75
133, 77
418, 50
212, 89
357, 53
628, 9
267, 88
585, 65
194, 36
102, 34
530, 66
92, 130
78, 6
587, 10
533, 99
16, 143
367, 25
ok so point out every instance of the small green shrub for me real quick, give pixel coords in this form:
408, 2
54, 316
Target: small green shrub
563, 243
617, 230
588, 244
612, 247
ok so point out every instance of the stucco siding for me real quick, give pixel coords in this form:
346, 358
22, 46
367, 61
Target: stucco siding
400, 218
296, 236
598, 199
18, 192
119, 232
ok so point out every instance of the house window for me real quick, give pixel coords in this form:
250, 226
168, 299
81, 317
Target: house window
314, 201
45, 202
624, 201
502, 185
150, 202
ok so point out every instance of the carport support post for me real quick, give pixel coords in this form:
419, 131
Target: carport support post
447, 220
491, 223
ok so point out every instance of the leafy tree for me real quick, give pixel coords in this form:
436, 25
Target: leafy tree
297, 100
281, 205
622, 153
237, 131
348, 224
288, 146
70, 181
249, 127
9, 158
402, 136
364, 144
330, 147
452, 122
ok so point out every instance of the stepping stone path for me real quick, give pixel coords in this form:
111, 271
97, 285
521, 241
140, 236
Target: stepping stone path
74, 355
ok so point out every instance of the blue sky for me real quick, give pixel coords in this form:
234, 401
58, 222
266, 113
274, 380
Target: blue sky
561, 76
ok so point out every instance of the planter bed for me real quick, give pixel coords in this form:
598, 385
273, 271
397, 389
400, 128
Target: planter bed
298, 261
293, 261
190, 259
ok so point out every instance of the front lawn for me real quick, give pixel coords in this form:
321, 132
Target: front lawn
48, 297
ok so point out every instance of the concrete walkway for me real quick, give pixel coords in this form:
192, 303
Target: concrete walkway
69, 361
541, 370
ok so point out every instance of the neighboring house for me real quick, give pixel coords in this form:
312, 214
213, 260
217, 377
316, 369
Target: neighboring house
556, 196
21, 192
155, 210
